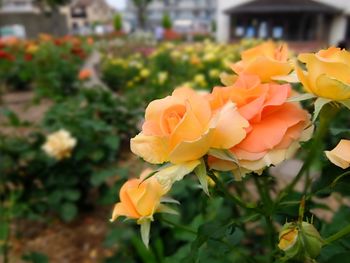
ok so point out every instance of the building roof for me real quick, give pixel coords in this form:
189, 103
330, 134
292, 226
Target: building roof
283, 6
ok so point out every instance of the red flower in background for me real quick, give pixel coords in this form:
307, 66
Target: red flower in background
6, 56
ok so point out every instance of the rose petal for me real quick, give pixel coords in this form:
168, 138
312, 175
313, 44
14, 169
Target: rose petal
152, 149
228, 128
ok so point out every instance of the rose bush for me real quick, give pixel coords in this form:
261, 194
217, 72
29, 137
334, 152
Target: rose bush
257, 122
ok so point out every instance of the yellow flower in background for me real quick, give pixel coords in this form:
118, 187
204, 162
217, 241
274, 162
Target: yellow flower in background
162, 77
267, 60
59, 145
32, 48
327, 73
214, 73
175, 54
340, 155
200, 80
209, 57
195, 60
144, 73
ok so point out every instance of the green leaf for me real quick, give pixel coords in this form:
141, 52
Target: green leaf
113, 142
201, 173
100, 177
223, 155
166, 209
4, 231
11, 116
301, 97
319, 103
71, 194
339, 258
68, 211
145, 229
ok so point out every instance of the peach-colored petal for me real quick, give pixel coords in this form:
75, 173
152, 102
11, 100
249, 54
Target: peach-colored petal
272, 129
265, 60
150, 199
191, 150
199, 104
120, 210
152, 149
229, 127
128, 204
267, 68
189, 129
340, 155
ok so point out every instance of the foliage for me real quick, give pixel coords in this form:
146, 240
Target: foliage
166, 68
166, 21
43, 184
49, 66
118, 22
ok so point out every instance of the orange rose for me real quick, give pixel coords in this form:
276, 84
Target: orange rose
139, 199
276, 126
265, 60
84, 74
340, 155
183, 127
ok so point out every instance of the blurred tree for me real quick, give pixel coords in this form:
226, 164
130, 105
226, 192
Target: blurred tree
141, 6
166, 21
51, 3
118, 22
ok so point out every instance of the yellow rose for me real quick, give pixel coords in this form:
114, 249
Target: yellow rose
183, 127
340, 155
327, 73
266, 60
144, 73
59, 145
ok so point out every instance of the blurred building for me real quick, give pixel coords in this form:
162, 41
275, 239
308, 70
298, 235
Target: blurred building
33, 19
83, 15
186, 15
319, 21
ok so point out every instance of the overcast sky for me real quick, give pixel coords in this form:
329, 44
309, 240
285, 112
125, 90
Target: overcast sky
119, 4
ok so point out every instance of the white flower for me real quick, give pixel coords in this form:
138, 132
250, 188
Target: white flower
59, 145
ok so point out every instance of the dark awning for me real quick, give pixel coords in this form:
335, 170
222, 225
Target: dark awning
283, 6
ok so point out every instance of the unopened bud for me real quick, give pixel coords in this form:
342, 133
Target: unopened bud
300, 241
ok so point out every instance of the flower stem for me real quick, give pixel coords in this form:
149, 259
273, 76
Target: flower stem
327, 114
220, 185
263, 190
342, 233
